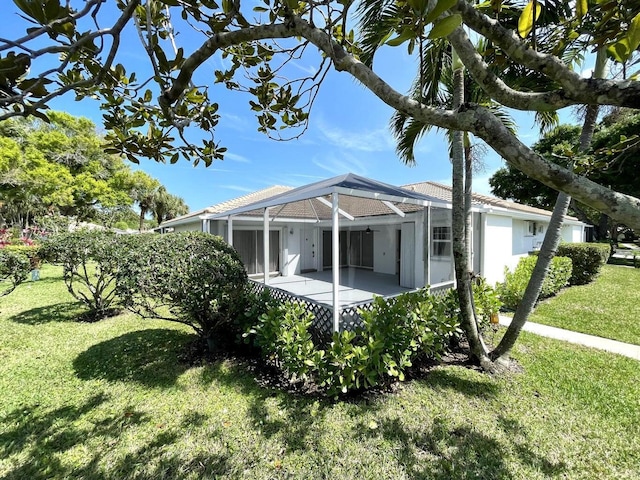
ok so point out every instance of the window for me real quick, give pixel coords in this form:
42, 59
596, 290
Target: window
441, 242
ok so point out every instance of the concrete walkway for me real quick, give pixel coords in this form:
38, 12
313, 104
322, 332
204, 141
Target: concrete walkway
626, 349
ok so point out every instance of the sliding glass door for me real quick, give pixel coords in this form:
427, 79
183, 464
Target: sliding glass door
248, 243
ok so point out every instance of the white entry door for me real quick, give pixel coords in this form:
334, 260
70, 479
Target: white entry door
407, 255
308, 249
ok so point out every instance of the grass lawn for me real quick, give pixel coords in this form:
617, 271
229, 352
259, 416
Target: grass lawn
110, 400
608, 307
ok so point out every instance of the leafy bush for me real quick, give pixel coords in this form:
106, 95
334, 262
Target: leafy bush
283, 335
486, 300
14, 268
587, 259
395, 332
32, 252
256, 304
192, 278
90, 260
512, 290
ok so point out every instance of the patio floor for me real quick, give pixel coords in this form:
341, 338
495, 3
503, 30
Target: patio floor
356, 285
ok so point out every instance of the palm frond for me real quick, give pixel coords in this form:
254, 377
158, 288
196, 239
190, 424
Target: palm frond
547, 121
376, 20
407, 132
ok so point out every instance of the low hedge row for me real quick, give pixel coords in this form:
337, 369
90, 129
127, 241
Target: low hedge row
512, 289
587, 260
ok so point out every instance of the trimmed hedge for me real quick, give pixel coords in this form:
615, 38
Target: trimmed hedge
192, 278
587, 259
515, 283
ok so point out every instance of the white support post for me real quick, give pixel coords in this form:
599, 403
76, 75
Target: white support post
428, 241
265, 245
335, 261
230, 230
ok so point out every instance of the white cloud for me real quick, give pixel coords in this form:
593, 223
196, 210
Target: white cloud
375, 140
238, 188
347, 163
236, 158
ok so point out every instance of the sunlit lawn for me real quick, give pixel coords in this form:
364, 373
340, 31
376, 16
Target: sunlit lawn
111, 400
608, 307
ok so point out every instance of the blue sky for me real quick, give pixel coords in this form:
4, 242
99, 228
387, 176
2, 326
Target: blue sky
348, 132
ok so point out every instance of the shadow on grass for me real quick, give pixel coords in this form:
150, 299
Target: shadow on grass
34, 439
298, 421
148, 357
445, 452
58, 312
445, 379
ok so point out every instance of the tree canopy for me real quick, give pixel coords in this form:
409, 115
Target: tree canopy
612, 160
540, 41
60, 168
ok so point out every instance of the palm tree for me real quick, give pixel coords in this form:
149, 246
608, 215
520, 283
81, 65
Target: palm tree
167, 206
143, 190
438, 68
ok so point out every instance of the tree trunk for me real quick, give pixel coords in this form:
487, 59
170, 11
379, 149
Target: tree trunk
551, 240
477, 348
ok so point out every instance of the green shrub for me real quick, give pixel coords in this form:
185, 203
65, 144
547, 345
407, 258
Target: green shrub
192, 278
515, 283
283, 335
90, 260
14, 268
486, 301
32, 252
395, 332
587, 260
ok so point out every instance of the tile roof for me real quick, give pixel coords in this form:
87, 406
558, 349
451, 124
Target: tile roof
230, 204
355, 206
444, 192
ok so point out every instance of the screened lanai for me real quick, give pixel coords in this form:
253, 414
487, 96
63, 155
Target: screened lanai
342, 214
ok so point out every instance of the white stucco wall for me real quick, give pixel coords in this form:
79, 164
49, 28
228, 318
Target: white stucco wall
523, 240
497, 250
572, 233
189, 227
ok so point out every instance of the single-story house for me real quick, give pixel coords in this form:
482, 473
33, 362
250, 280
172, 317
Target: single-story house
390, 239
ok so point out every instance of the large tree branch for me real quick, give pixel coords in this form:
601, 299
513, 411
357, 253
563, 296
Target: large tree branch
591, 91
217, 42
481, 122
496, 88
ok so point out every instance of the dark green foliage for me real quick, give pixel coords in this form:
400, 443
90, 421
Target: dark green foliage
283, 336
14, 268
395, 332
515, 283
587, 259
90, 261
191, 277
486, 301
32, 253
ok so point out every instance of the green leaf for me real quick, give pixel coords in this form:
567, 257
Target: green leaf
445, 26
407, 34
633, 34
441, 7
525, 22
581, 8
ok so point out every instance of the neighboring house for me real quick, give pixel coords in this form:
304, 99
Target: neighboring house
399, 231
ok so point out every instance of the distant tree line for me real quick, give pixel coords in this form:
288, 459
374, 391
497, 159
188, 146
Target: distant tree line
59, 171
613, 160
